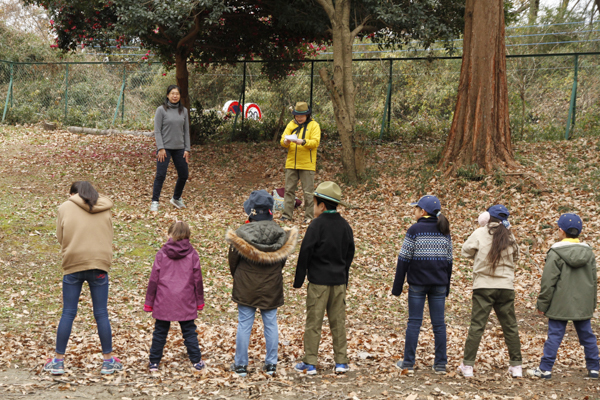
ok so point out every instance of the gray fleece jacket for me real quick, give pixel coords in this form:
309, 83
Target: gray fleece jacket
171, 129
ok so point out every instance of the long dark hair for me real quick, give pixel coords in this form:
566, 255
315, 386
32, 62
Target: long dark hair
501, 240
166, 103
86, 191
443, 224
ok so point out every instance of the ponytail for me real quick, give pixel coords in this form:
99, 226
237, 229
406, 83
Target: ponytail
443, 224
502, 238
86, 191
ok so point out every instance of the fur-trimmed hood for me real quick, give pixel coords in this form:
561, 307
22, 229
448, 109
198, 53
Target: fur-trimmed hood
263, 242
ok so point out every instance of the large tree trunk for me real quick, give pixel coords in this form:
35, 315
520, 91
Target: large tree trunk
480, 132
182, 76
341, 87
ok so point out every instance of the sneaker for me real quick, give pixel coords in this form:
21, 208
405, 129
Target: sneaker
307, 220
465, 370
270, 369
153, 367
538, 373
110, 366
439, 369
284, 219
199, 366
177, 203
54, 366
341, 368
409, 370
309, 369
516, 371
592, 374
240, 370
154, 206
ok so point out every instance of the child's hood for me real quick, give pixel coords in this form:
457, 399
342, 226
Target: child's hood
103, 204
575, 255
179, 249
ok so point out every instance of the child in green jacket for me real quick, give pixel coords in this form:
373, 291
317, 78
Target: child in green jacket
568, 293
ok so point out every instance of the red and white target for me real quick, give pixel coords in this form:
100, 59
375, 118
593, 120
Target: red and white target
231, 106
252, 111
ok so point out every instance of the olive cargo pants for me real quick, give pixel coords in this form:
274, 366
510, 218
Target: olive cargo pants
321, 298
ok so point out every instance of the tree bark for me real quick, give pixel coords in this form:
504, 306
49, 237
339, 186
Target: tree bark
182, 77
341, 87
480, 132
534, 7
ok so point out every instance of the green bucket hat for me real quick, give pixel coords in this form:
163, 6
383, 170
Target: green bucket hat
330, 191
301, 108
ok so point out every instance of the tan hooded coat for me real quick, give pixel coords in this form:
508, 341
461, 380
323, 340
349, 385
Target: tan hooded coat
85, 236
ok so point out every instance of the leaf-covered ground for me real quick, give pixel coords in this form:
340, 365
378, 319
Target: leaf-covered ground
37, 168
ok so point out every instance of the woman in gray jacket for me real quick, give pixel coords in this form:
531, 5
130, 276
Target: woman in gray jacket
172, 134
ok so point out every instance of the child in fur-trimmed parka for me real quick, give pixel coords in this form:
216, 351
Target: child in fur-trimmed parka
257, 254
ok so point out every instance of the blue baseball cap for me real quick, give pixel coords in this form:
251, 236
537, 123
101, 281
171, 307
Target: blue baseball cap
499, 211
259, 205
568, 221
429, 203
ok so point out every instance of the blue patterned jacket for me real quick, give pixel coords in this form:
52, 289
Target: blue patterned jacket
425, 258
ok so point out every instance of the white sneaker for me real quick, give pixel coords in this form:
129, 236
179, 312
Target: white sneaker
177, 203
516, 371
538, 373
154, 206
465, 370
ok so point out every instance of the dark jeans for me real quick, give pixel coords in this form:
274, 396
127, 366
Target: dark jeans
161, 173
436, 298
556, 332
72, 283
503, 303
190, 339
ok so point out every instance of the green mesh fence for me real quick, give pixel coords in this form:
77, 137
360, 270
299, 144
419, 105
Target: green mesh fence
396, 98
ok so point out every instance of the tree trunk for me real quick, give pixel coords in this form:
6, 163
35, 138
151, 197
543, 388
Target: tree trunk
341, 87
534, 8
480, 132
182, 76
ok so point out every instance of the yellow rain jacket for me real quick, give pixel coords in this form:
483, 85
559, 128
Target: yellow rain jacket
302, 157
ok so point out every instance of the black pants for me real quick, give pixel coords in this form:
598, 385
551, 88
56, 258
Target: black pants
190, 339
161, 173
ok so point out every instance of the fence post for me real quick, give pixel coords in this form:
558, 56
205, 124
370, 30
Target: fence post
121, 95
66, 90
389, 116
123, 104
243, 95
9, 93
572, 104
241, 108
312, 74
387, 109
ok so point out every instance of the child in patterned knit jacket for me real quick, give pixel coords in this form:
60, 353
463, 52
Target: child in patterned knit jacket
425, 261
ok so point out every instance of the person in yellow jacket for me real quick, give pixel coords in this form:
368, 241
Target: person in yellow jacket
301, 160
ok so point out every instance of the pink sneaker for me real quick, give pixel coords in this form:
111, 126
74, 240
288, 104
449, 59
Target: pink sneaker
465, 370
516, 371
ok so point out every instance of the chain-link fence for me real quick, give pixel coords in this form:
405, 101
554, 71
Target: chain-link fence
396, 97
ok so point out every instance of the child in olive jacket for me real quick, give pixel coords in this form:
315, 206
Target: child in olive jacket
568, 293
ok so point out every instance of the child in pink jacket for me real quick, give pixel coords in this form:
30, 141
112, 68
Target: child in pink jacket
175, 293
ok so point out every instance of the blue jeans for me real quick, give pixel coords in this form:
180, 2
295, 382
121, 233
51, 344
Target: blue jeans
242, 338
436, 296
556, 332
72, 283
161, 173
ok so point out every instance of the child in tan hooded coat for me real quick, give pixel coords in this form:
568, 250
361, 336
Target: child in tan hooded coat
495, 252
